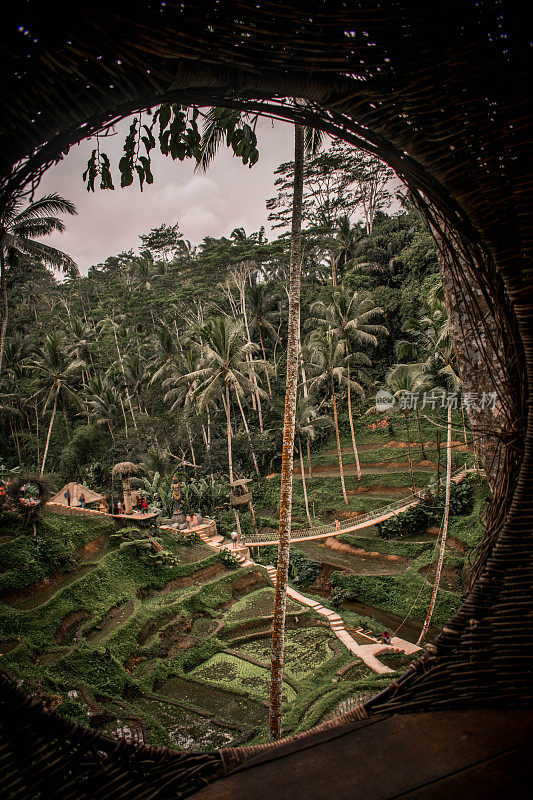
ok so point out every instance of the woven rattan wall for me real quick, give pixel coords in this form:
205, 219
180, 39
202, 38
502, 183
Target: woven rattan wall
440, 93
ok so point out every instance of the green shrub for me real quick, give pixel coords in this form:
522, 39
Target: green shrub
302, 569
227, 558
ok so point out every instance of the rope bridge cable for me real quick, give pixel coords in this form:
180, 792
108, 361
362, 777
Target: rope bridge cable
330, 528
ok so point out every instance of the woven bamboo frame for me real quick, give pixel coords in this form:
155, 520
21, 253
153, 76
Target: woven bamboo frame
442, 96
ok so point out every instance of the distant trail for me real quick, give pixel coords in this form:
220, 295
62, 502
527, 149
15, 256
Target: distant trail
364, 521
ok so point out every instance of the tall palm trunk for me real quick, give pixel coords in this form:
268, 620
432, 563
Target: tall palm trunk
37, 431
339, 451
438, 466
121, 362
302, 470
189, 434
409, 451
422, 448
287, 457
356, 454
124, 415
253, 375
50, 426
444, 527
264, 359
14, 436
227, 408
310, 473
247, 429
3, 300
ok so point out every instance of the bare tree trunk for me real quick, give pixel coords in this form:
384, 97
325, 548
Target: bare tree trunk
124, 376
444, 527
123, 414
252, 514
189, 434
49, 433
339, 451
264, 359
420, 434
287, 458
438, 465
37, 431
230, 454
302, 470
15, 437
3, 300
409, 451
356, 454
246, 428
310, 473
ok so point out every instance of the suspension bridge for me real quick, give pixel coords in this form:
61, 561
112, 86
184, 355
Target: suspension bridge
358, 523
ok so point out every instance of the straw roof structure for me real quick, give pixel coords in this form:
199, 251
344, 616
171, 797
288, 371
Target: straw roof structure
439, 91
76, 490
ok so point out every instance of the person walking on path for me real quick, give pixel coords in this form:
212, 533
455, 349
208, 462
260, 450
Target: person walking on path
144, 506
82, 500
67, 495
119, 507
234, 537
337, 525
195, 520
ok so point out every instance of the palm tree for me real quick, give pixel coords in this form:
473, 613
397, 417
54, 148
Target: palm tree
263, 305
406, 381
142, 268
103, 402
287, 456
224, 368
306, 423
18, 229
329, 363
346, 238
108, 324
55, 371
351, 316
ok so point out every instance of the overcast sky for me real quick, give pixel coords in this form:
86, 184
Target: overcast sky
228, 196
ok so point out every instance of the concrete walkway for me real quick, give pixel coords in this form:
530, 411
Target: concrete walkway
366, 652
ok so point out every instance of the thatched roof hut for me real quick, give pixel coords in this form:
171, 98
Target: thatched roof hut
76, 490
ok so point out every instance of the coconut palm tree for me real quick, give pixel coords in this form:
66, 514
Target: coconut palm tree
108, 325
327, 359
263, 305
224, 368
405, 381
103, 402
289, 424
351, 315
142, 269
307, 422
346, 238
18, 229
55, 371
